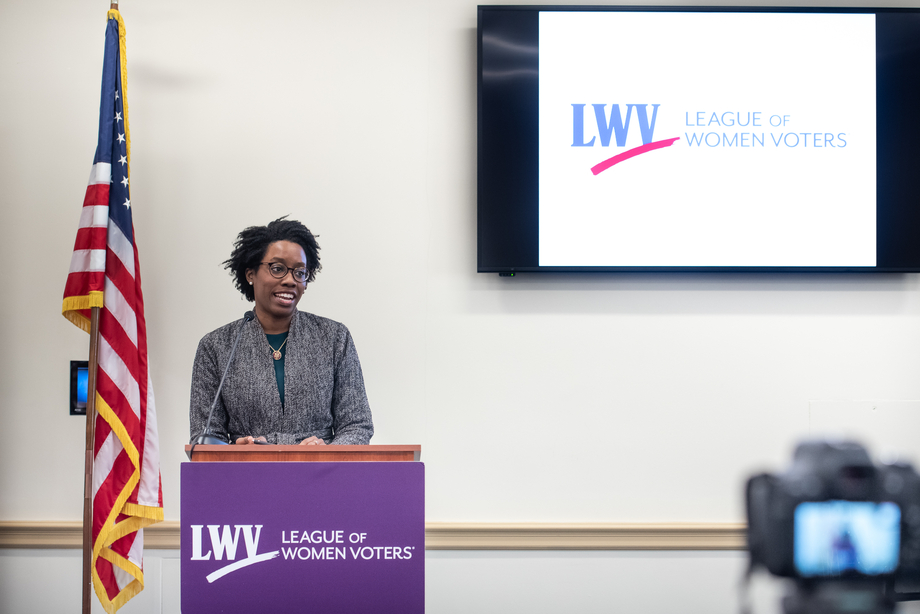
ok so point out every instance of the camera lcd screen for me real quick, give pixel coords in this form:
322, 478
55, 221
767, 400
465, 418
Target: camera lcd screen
836, 537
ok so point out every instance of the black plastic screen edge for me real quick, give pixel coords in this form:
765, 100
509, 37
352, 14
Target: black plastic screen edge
508, 129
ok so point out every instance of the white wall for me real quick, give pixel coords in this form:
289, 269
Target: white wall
460, 582
456, 583
550, 398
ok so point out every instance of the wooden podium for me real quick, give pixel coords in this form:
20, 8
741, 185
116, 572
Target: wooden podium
287, 454
269, 528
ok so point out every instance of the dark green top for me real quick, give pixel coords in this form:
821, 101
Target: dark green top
276, 341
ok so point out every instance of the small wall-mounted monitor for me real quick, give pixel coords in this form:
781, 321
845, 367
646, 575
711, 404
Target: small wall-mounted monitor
79, 383
698, 139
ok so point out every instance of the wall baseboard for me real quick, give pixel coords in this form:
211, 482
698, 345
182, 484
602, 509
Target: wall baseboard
452, 536
580, 536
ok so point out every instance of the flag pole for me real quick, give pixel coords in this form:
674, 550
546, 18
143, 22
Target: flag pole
88, 467
90, 447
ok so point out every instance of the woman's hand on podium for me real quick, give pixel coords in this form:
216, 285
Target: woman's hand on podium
243, 441
312, 441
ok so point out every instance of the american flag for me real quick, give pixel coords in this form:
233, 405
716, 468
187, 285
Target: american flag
104, 272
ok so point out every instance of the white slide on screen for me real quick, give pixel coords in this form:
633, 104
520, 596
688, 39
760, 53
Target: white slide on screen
707, 139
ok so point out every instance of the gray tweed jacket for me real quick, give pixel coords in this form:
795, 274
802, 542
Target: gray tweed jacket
323, 385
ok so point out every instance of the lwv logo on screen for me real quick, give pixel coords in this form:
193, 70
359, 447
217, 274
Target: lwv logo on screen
615, 125
224, 542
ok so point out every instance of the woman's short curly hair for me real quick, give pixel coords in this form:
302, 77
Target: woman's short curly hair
252, 243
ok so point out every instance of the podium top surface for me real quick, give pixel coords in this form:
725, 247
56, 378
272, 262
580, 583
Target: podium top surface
300, 454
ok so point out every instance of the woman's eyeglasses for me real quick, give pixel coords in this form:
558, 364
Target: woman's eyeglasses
278, 271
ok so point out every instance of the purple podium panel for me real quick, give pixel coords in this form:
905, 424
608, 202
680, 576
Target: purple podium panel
303, 537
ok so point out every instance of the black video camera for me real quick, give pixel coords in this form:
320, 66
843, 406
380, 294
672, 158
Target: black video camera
844, 529
835, 514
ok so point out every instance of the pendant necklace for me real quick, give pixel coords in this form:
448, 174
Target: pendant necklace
276, 354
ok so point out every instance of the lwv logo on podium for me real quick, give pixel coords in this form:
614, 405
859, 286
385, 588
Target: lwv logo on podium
224, 543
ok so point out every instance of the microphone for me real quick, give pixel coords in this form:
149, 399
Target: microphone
207, 437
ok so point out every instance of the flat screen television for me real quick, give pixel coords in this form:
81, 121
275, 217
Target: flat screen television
698, 139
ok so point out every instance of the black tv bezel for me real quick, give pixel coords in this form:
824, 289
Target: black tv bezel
507, 188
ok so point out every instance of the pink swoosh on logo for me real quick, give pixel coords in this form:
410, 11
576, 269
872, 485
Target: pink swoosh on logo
635, 151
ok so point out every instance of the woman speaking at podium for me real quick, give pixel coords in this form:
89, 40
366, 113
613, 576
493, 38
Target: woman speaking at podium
295, 377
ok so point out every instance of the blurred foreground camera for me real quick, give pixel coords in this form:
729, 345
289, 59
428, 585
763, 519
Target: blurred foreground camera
844, 529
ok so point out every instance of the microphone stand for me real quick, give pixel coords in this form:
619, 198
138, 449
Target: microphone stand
207, 437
